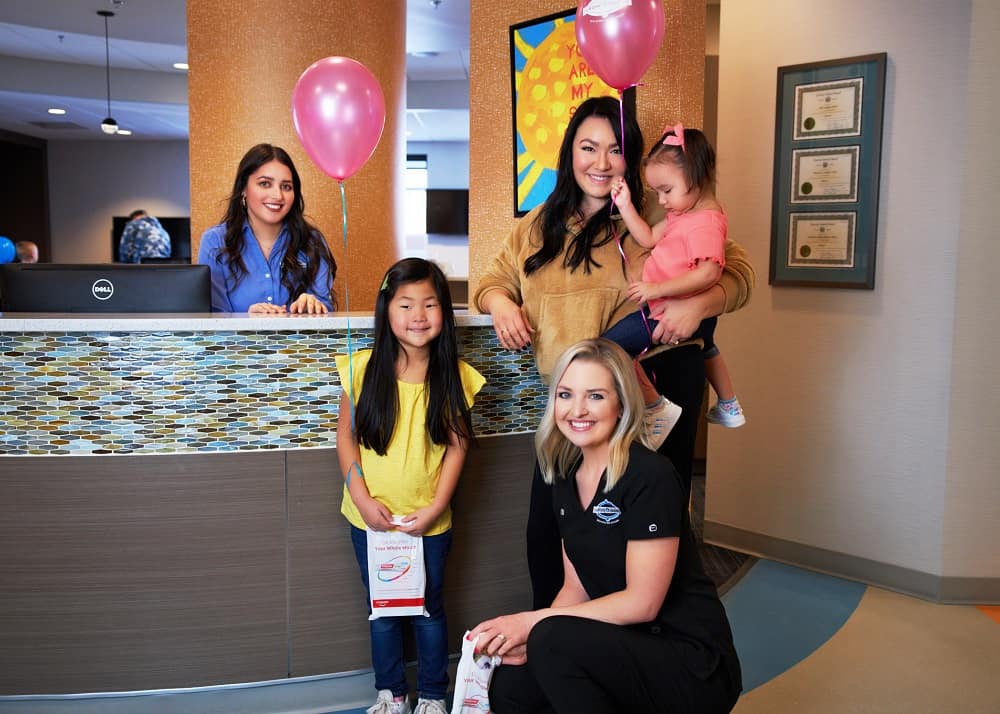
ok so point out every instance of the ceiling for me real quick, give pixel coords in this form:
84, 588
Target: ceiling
52, 54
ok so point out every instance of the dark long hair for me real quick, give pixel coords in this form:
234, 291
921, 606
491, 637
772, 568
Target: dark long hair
696, 158
564, 201
303, 236
378, 405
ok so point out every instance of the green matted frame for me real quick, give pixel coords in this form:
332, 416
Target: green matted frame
827, 164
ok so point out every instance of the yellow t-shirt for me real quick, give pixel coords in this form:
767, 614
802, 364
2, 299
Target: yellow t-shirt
406, 478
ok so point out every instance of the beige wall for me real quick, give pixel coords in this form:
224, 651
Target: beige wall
673, 90
246, 56
871, 414
972, 462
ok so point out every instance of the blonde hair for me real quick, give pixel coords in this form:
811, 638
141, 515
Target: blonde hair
557, 456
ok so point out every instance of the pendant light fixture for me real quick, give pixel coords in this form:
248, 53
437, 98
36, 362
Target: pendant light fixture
109, 125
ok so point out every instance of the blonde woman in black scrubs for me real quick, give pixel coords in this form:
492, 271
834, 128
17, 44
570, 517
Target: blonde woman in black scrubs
637, 626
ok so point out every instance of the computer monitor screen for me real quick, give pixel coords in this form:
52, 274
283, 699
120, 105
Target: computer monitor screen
52, 287
448, 211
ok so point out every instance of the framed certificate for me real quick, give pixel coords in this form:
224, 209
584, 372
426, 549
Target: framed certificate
825, 175
827, 164
821, 240
827, 109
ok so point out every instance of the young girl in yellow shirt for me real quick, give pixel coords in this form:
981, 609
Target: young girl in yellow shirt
401, 455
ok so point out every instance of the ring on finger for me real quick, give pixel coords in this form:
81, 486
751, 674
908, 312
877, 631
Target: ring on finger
501, 637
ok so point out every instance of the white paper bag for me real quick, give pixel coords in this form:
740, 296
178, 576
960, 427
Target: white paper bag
472, 679
395, 574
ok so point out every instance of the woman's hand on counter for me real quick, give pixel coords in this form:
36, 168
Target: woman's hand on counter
307, 304
266, 308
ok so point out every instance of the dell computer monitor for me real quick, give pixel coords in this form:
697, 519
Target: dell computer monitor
52, 287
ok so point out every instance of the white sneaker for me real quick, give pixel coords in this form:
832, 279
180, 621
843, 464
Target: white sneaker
385, 705
430, 706
728, 415
659, 419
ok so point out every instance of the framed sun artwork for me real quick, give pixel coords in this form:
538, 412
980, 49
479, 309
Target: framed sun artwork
549, 79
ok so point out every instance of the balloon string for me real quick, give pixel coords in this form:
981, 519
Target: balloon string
621, 124
347, 309
614, 230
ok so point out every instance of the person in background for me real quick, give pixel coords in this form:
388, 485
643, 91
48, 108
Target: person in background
559, 278
26, 252
404, 427
143, 237
687, 254
265, 257
637, 626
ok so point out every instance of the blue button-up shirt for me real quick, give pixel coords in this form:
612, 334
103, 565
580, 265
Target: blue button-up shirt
262, 281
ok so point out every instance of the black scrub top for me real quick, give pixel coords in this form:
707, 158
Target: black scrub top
647, 502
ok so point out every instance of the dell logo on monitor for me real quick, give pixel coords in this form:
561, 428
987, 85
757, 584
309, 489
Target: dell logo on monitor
102, 289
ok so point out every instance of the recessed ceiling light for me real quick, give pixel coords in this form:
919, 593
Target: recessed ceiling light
180, 65
124, 132
57, 112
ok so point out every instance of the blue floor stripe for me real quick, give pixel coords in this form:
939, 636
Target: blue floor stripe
780, 615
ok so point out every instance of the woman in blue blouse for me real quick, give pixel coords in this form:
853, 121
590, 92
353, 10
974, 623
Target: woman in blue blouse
265, 257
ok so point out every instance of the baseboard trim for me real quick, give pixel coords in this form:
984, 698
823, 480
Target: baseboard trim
944, 590
320, 694
315, 694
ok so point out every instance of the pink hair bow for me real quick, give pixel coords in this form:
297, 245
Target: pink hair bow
678, 138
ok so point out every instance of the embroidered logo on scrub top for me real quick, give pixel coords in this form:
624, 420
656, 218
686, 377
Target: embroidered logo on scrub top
607, 512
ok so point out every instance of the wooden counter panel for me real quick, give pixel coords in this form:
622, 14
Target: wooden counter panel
328, 618
141, 572
487, 568
148, 572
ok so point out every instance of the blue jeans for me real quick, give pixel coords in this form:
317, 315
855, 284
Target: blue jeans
430, 633
632, 335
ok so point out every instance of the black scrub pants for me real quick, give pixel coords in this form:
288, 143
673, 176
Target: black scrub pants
579, 666
678, 374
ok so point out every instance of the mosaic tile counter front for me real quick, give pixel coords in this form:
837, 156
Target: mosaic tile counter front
66, 392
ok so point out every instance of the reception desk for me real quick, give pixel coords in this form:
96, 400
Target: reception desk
170, 495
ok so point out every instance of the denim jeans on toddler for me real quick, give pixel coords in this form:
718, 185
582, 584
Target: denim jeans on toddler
632, 334
430, 633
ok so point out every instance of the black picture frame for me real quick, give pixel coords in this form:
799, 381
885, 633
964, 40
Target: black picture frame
827, 165
563, 81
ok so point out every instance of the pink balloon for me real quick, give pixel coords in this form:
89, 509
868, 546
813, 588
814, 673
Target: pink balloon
339, 112
619, 38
